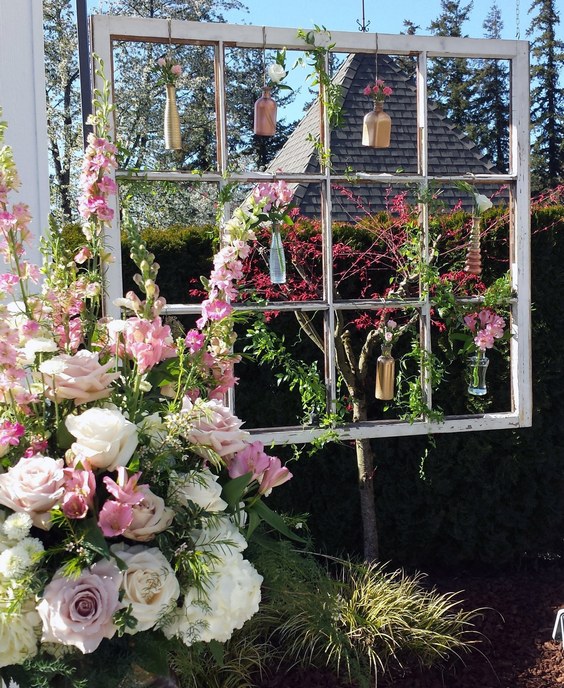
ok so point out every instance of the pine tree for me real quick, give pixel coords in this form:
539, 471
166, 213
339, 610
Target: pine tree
449, 78
489, 111
547, 97
140, 105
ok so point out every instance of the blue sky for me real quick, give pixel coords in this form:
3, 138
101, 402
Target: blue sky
342, 15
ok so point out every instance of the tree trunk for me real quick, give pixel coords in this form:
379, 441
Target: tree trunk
365, 467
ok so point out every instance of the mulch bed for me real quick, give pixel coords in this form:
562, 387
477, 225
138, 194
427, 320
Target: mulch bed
515, 649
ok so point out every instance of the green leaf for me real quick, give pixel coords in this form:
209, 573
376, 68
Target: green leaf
273, 519
217, 651
93, 537
151, 653
233, 490
254, 521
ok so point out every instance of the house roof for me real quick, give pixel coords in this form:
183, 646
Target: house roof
450, 152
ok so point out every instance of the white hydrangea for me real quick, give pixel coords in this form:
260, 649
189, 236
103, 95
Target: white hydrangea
232, 597
17, 526
18, 639
220, 536
14, 562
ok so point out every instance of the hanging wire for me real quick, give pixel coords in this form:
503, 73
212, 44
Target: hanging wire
365, 24
264, 56
376, 59
517, 20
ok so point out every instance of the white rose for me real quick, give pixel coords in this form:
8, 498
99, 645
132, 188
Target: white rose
154, 428
150, 516
200, 487
18, 639
482, 202
104, 437
275, 72
149, 584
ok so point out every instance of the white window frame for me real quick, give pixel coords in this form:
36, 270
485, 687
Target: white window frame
106, 29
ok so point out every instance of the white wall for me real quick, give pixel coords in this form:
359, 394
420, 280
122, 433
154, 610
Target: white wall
22, 99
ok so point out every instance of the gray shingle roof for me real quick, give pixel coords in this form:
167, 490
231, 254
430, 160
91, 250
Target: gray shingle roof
450, 151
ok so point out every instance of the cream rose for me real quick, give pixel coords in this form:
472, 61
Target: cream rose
483, 203
150, 516
18, 637
200, 487
211, 424
33, 486
104, 437
81, 377
149, 584
79, 611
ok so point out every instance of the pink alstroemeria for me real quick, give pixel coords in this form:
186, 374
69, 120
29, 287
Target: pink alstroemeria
115, 518
126, 489
80, 488
83, 255
251, 459
274, 475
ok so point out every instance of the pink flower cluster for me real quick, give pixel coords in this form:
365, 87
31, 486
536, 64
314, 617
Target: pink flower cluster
273, 195
266, 470
378, 91
169, 70
96, 183
487, 326
146, 342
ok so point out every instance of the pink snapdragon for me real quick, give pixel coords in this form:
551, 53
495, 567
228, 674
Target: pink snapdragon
10, 435
194, 340
146, 342
213, 309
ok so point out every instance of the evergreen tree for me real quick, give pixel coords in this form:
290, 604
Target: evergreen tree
449, 78
547, 97
140, 105
489, 111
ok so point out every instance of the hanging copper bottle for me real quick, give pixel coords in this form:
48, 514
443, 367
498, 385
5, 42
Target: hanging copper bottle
385, 374
173, 138
377, 128
474, 253
265, 114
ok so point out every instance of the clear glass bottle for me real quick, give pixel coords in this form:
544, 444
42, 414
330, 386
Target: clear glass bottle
277, 259
478, 366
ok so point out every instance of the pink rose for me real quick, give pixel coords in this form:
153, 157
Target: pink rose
79, 611
34, 486
79, 377
213, 425
150, 516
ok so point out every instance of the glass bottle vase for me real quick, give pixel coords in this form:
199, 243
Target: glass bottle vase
477, 368
377, 128
385, 374
277, 259
265, 114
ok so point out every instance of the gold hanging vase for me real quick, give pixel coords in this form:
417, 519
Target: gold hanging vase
377, 128
172, 136
265, 114
385, 374
474, 253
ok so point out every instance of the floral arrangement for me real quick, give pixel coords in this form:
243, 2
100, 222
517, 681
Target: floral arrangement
486, 326
378, 91
169, 71
128, 490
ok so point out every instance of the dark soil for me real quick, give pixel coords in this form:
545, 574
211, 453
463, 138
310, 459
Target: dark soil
515, 649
